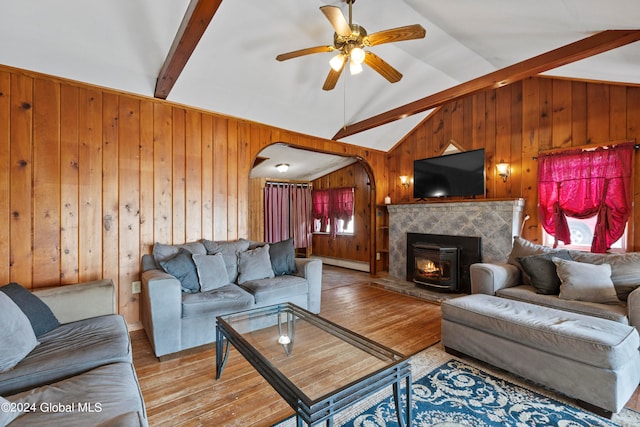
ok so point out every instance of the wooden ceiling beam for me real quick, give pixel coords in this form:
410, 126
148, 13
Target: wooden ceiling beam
195, 22
590, 46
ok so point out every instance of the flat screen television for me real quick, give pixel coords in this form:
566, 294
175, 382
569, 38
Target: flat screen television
459, 174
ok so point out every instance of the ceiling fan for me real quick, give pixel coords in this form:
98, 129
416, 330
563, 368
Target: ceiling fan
350, 39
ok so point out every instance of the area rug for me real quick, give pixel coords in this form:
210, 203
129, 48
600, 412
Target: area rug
450, 391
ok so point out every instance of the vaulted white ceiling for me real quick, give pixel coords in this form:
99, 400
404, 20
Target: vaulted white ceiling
122, 44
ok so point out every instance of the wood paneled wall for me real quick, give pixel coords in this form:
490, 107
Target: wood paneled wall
90, 178
355, 247
514, 123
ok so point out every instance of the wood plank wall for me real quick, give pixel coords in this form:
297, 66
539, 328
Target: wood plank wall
355, 247
90, 178
514, 123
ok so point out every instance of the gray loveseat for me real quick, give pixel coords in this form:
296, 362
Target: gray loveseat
80, 371
511, 280
185, 287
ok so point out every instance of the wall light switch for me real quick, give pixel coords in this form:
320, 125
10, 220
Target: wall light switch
135, 287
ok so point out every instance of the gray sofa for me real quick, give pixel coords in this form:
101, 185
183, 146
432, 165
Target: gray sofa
81, 371
511, 280
179, 310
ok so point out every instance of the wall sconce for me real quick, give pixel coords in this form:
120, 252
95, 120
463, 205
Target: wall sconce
503, 170
405, 181
282, 167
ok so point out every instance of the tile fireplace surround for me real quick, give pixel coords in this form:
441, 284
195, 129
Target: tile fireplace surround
494, 221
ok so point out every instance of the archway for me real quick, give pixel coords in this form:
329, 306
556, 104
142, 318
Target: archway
309, 165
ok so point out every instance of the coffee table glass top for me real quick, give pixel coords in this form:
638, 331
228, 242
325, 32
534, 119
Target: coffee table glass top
315, 355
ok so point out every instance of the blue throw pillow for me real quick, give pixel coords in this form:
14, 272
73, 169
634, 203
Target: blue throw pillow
39, 314
181, 266
282, 256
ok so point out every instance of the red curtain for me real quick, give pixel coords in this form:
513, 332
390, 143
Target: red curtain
332, 205
287, 213
276, 212
320, 200
582, 184
300, 216
340, 207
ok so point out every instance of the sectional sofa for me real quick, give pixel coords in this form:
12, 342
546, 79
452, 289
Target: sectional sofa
72, 364
530, 275
186, 286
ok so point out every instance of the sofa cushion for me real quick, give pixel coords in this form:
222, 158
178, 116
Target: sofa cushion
254, 264
230, 251
283, 256
39, 314
162, 252
212, 273
106, 395
16, 334
625, 269
181, 266
615, 312
68, 350
542, 271
226, 299
585, 282
7, 415
278, 288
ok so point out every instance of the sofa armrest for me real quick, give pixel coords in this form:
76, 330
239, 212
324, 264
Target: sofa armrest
70, 303
633, 308
487, 278
161, 298
311, 269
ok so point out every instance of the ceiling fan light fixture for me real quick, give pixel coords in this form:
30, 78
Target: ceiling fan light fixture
354, 67
337, 62
282, 167
357, 55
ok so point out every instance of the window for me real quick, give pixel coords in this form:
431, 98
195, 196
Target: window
586, 184
582, 231
333, 211
342, 227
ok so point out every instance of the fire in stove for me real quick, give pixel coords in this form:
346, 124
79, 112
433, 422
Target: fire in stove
435, 266
428, 268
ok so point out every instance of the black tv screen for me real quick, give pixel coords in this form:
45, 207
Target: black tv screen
459, 174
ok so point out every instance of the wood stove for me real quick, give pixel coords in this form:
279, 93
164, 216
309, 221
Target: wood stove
469, 252
436, 266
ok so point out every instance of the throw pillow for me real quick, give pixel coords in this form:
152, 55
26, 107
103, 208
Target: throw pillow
585, 282
254, 264
39, 314
230, 251
522, 248
212, 272
181, 266
282, 256
16, 334
625, 269
542, 271
6, 415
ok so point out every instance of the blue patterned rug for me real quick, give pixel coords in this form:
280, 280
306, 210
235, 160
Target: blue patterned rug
451, 392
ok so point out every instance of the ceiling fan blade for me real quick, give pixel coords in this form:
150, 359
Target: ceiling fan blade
384, 69
332, 78
302, 52
409, 32
337, 20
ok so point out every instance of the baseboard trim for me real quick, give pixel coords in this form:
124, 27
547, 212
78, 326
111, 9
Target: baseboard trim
346, 263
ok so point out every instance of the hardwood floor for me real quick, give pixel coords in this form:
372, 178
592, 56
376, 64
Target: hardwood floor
183, 391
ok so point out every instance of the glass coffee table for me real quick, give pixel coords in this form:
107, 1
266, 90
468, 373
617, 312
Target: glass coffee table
318, 367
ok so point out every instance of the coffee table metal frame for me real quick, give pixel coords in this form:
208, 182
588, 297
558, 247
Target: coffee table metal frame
314, 411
